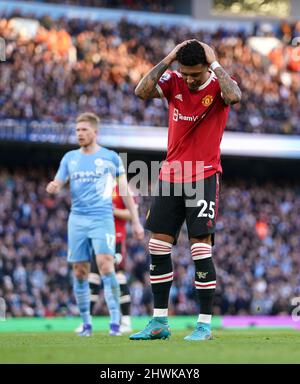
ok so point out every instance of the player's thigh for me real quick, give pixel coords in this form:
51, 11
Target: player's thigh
78, 241
103, 237
167, 211
201, 213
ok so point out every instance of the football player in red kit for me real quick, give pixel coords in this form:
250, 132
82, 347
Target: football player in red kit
199, 95
122, 215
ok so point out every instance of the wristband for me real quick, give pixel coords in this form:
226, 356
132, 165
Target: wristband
215, 64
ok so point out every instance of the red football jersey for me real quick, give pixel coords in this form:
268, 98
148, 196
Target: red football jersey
196, 124
120, 225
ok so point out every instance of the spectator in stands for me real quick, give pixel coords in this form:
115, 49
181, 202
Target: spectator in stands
136, 5
99, 64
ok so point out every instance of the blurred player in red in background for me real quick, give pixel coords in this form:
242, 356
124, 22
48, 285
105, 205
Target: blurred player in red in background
121, 216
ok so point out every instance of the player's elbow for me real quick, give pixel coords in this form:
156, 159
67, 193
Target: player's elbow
139, 93
234, 98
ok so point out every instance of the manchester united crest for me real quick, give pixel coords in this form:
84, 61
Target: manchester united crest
207, 100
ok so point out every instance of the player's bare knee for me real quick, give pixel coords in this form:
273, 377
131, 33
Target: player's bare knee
81, 271
163, 237
105, 263
206, 239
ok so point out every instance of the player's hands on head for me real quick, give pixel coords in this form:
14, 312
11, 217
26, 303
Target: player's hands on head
209, 53
138, 230
172, 55
53, 187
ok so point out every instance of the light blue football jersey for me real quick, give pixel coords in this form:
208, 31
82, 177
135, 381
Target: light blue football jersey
91, 178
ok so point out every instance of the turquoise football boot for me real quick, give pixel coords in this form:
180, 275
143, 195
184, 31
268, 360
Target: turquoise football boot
202, 332
153, 331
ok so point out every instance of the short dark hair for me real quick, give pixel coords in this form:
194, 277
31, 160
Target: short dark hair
191, 54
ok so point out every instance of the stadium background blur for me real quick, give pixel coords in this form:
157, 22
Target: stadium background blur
61, 61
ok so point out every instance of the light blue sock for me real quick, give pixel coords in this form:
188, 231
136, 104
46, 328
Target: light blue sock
112, 296
82, 294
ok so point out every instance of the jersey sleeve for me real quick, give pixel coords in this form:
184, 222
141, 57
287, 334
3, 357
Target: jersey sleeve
164, 85
63, 171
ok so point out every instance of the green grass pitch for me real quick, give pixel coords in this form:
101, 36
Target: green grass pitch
228, 346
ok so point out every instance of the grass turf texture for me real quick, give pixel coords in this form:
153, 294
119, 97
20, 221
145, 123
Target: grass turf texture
228, 346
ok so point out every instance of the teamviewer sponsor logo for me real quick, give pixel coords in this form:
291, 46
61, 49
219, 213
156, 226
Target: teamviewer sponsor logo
178, 116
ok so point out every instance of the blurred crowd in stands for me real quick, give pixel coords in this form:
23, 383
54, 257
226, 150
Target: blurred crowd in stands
71, 66
256, 251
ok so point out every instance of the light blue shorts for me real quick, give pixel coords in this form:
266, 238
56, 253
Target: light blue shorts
88, 234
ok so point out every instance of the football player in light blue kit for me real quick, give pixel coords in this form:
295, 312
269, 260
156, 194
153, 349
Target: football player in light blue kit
91, 171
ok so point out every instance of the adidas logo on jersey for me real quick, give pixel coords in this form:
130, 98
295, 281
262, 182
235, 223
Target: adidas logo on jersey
179, 97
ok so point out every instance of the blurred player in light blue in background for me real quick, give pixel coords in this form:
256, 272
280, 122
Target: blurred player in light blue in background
91, 171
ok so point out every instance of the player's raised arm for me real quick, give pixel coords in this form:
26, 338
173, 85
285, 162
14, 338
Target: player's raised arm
129, 202
146, 88
231, 92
